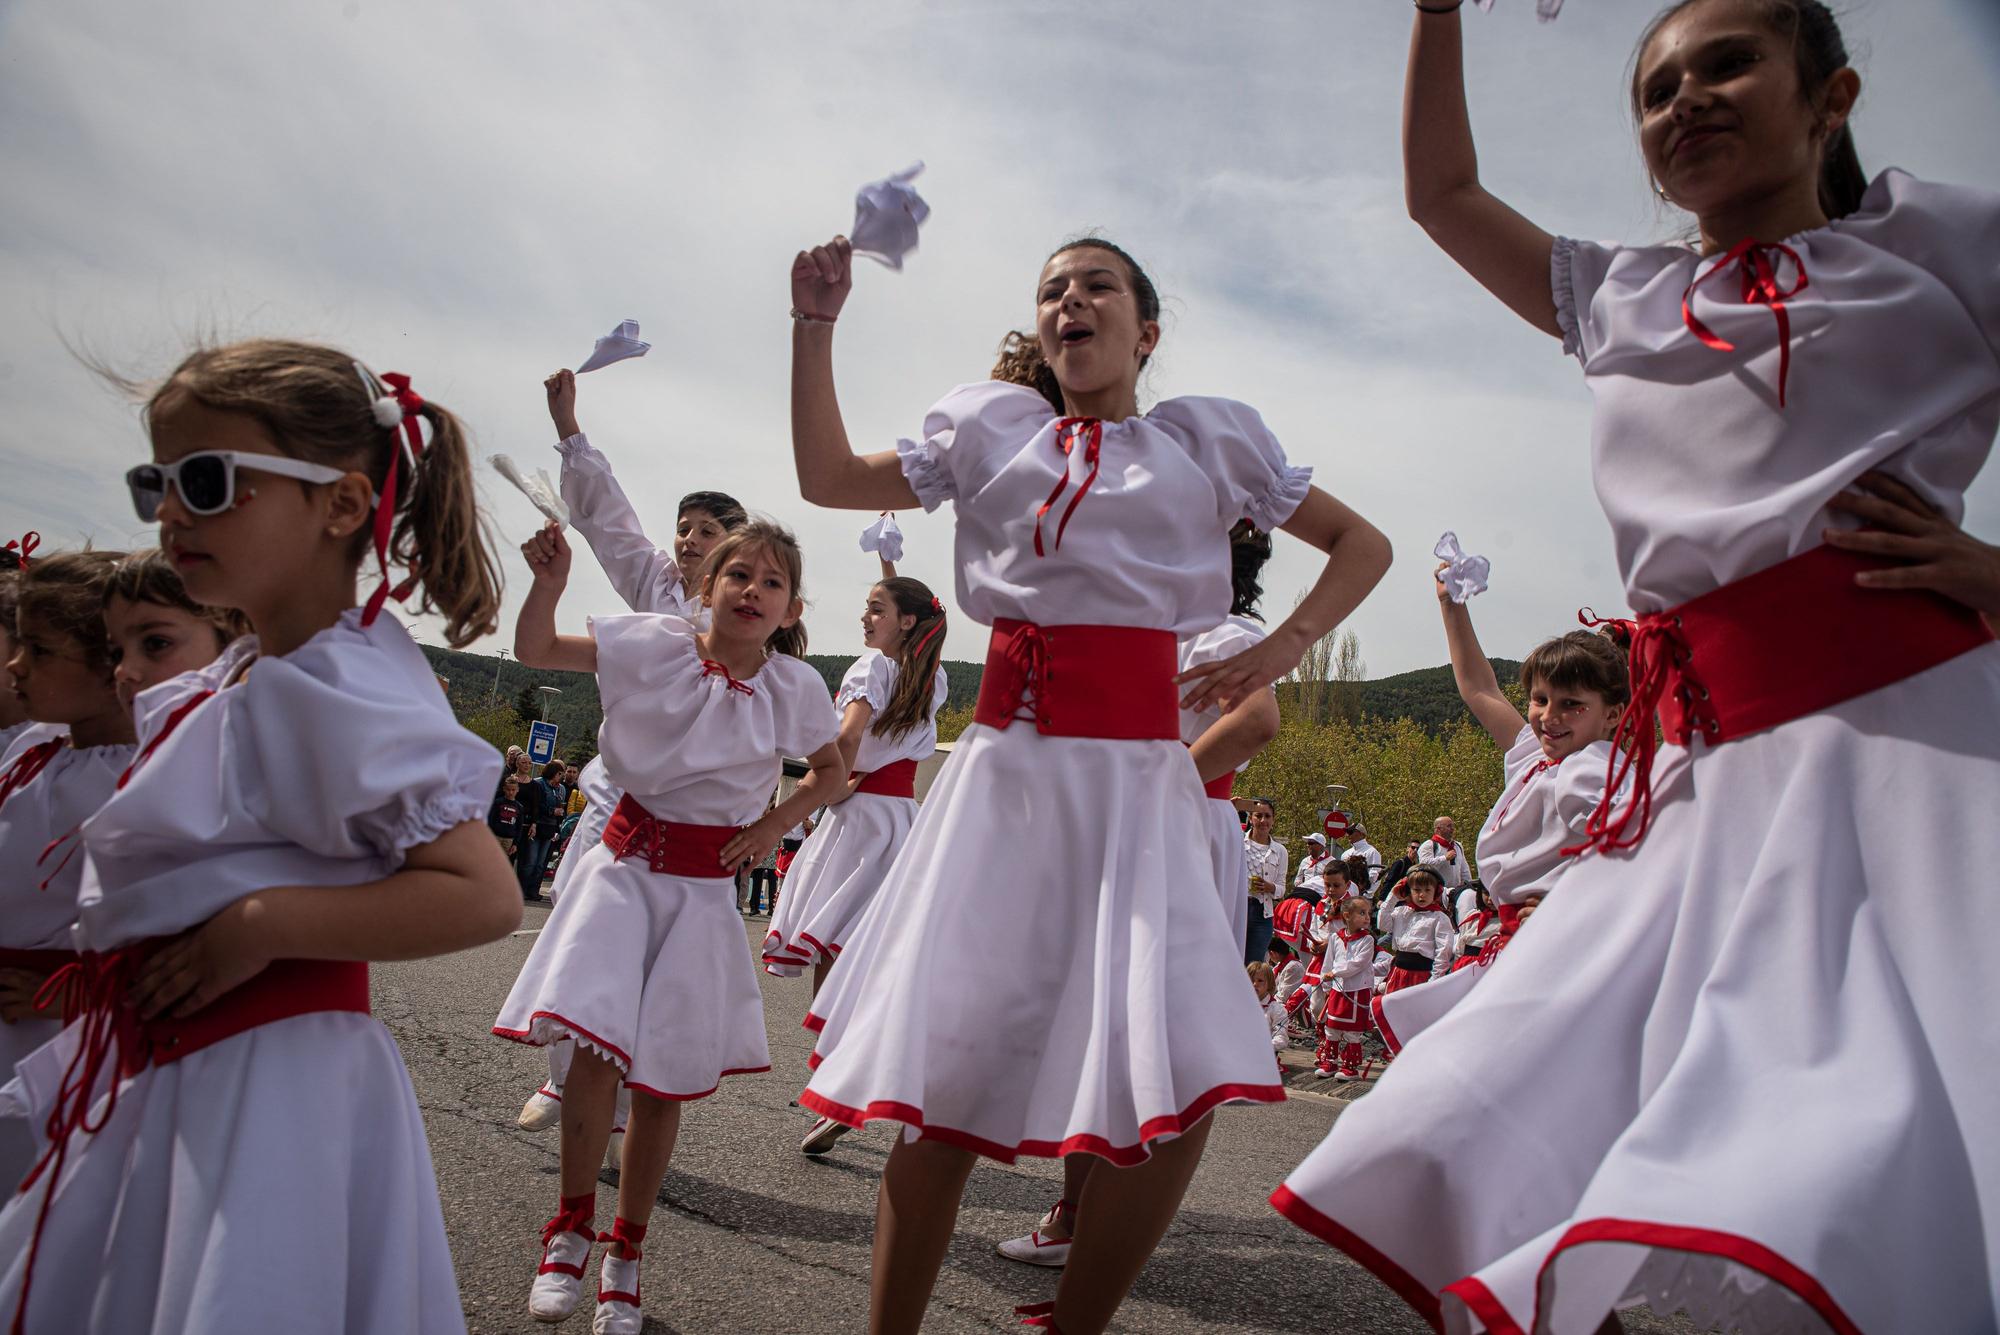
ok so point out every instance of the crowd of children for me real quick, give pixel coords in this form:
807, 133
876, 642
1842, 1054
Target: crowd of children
230, 781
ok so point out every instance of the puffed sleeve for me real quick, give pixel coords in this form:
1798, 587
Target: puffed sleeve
1229, 441
347, 746
968, 435
639, 652
643, 573
1577, 270
803, 711
1950, 231
871, 677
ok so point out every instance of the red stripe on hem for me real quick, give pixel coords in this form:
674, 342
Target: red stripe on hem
813, 1022
524, 1035
1479, 1299
1120, 1156
1405, 1285
687, 1098
1701, 1242
1389, 1039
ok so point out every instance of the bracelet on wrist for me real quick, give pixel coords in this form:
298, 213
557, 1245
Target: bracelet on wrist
803, 317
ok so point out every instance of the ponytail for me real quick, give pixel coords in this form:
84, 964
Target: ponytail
1249, 549
917, 657
441, 535
1021, 363
1842, 182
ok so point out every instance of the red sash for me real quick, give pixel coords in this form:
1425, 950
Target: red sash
897, 780
1221, 788
1114, 682
669, 847
1770, 648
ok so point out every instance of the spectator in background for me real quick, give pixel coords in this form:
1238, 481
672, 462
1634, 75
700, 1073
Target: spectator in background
1397, 871
1443, 852
1310, 883
533, 795
1358, 846
577, 801
1264, 858
1359, 878
509, 769
504, 819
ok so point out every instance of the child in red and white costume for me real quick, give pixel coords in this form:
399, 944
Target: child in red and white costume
642, 960
1557, 764
1421, 937
1349, 971
648, 578
303, 804
65, 765
1064, 834
1741, 927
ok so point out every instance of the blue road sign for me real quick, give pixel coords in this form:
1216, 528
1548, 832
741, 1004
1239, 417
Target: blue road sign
541, 742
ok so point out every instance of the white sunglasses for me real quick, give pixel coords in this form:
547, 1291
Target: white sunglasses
206, 480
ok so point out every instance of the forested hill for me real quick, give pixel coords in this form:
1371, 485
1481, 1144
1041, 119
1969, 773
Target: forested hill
1426, 696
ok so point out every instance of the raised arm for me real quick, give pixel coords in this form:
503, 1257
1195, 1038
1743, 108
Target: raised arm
1357, 556
642, 572
536, 643
830, 472
1477, 685
1504, 251
1243, 730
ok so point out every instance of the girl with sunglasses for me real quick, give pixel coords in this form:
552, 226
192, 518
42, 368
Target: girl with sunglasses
61, 672
304, 804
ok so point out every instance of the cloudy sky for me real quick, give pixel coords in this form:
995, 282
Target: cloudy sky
471, 192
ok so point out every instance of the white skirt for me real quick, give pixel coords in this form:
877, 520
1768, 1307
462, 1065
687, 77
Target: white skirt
1747, 1068
651, 972
1087, 995
1403, 1014
1232, 874
19, 1145
835, 877
278, 1180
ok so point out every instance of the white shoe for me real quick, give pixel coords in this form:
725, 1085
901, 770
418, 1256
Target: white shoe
558, 1285
824, 1132
614, 1150
617, 1297
542, 1111
1034, 1249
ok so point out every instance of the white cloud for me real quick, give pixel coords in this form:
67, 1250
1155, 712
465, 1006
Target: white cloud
472, 192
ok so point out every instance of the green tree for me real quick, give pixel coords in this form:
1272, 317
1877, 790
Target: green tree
528, 704
499, 725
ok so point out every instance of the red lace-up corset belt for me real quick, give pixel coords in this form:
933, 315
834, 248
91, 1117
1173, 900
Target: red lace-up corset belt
1114, 682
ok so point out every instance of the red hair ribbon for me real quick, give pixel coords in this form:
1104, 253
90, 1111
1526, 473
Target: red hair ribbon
23, 547
1091, 429
1759, 273
711, 668
937, 628
411, 403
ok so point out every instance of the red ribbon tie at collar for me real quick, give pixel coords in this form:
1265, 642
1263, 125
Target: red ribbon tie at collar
1756, 265
711, 668
1068, 431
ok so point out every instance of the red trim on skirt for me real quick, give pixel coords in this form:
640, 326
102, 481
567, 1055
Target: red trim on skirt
575, 1030
1389, 1039
1400, 978
1407, 1287
1348, 1012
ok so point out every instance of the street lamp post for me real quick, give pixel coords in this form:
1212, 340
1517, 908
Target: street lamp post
493, 696
547, 691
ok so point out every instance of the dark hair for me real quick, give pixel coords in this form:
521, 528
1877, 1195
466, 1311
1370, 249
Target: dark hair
1021, 361
1581, 660
553, 769
64, 595
1249, 549
728, 511
315, 405
10, 599
146, 577
1437, 881
1265, 802
1280, 945
1335, 867
1357, 870
777, 542
1819, 52
917, 656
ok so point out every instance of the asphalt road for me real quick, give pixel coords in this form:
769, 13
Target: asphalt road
749, 1235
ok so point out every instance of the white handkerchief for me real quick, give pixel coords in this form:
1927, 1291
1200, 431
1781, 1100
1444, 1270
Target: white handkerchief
884, 538
537, 488
1545, 10
1465, 575
616, 346
886, 217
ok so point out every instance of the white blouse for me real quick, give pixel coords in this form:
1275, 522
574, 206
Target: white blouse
686, 740
1427, 933
54, 804
644, 574
1542, 810
1350, 962
1147, 546
1232, 637
872, 677
323, 766
1267, 861
1704, 476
